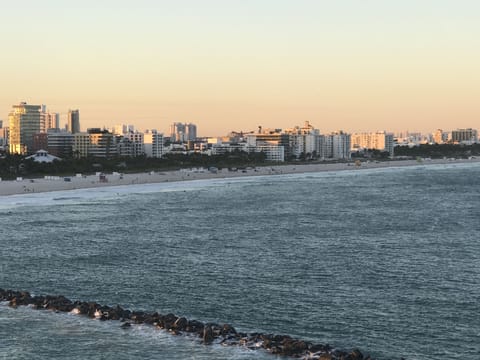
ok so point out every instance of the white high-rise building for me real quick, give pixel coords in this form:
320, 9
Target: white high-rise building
341, 145
303, 140
136, 139
153, 143
335, 146
379, 140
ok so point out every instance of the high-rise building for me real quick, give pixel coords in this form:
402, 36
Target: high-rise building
52, 120
465, 136
341, 145
95, 143
119, 129
153, 142
3, 136
271, 137
137, 146
440, 137
191, 132
73, 121
304, 140
24, 122
102, 143
274, 144
81, 144
335, 146
60, 143
380, 140
180, 132
177, 131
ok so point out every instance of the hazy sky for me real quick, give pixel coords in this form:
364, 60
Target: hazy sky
356, 65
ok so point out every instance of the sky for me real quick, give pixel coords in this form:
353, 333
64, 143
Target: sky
353, 65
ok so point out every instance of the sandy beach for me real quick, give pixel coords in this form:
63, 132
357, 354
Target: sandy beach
79, 181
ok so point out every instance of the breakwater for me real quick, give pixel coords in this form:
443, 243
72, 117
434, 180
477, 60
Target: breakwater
208, 333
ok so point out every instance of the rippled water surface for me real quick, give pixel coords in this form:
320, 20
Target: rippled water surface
384, 260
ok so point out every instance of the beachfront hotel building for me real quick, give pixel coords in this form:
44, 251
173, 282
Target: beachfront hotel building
335, 146
275, 145
303, 141
273, 153
95, 143
137, 145
464, 136
153, 144
271, 137
379, 140
24, 122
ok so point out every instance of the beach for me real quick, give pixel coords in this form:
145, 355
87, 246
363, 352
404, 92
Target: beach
80, 181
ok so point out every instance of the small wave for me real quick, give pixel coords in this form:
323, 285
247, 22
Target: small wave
67, 198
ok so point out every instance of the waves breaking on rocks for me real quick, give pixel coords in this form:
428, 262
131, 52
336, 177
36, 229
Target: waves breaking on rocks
208, 333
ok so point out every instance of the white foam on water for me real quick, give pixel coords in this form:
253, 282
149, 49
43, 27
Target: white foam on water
115, 192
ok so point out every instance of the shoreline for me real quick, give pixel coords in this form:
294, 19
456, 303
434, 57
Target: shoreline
55, 183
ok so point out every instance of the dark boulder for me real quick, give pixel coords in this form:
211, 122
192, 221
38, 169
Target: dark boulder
168, 320
152, 319
228, 329
314, 348
92, 309
18, 298
195, 326
115, 313
326, 357
180, 324
138, 317
355, 355
207, 336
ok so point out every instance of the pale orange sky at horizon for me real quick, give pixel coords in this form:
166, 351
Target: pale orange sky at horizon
234, 65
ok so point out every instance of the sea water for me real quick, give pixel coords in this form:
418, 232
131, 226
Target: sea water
384, 260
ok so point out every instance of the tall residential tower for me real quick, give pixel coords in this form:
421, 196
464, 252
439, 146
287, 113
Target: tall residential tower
25, 121
74, 121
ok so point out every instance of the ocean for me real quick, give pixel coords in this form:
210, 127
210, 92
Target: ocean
383, 260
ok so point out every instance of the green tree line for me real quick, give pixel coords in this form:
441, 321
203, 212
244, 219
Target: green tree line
12, 166
438, 151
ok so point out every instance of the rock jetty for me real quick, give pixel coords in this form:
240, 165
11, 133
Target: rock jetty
209, 333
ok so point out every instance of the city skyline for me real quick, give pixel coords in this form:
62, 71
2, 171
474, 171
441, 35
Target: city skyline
236, 65
52, 122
